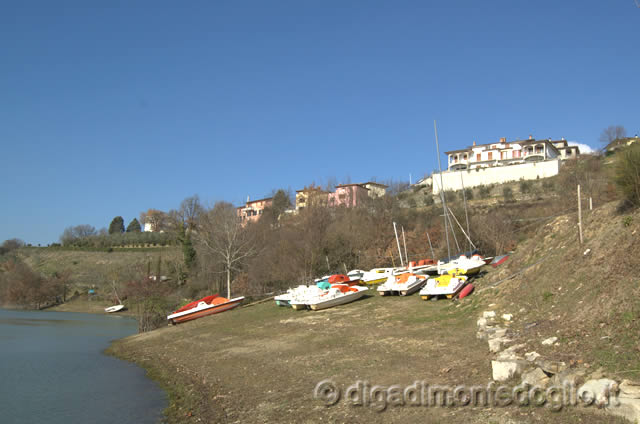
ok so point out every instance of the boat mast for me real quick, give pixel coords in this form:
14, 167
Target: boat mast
433, 255
461, 229
395, 230
406, 257
442, 197
466, 214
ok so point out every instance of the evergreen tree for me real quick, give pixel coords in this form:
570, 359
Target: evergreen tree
116, 226
280, 203
189, 252
134, 226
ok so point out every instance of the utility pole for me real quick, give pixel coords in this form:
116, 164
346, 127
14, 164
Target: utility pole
579, 214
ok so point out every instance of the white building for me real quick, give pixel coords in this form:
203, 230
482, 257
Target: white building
501, 162
501, 153
375, 189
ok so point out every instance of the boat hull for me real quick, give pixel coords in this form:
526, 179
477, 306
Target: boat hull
337, 301
113, 309
443, 286
285, 303
410, 285
204, 311
374, 282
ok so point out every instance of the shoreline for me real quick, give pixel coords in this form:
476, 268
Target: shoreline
74, 305
186, 395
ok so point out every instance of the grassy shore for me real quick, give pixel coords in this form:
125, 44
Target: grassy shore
262, 363
82, 304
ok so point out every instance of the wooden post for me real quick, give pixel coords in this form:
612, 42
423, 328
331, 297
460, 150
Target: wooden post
579, 214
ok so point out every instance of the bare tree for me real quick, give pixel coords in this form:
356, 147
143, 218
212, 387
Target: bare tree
221, 233
190, 211
612, 133
77, 232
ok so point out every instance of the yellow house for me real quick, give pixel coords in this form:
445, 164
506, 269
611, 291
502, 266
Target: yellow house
311, 195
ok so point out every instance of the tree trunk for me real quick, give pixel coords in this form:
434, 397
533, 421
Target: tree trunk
228, 283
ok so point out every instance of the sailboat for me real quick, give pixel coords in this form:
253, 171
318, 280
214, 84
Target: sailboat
119, 306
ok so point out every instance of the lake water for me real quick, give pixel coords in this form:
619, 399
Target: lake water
52, 370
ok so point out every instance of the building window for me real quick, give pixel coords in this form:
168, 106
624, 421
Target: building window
568, 152
465, 156
478, 157
490, 155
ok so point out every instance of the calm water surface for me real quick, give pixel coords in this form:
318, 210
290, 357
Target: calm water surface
52, 370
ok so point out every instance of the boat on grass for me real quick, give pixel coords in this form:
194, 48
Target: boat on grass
114, 308
403, 284
338, 294
462, 266
202, 307
498, 260
303, 295
303, 292
447, 285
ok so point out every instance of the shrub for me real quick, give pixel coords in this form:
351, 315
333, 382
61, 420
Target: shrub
468, 193
507, 193
525, 186
627, 174
484, 191
450, 196
149, 300
547, 184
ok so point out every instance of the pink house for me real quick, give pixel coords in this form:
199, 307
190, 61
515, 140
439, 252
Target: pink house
253, 210
349, 195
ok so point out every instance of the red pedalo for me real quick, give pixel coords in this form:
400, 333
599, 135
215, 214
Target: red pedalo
466, 291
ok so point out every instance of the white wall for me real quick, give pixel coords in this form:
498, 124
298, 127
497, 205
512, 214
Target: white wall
495, 175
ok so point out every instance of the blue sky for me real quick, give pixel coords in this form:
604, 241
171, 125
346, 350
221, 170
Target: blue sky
111, 108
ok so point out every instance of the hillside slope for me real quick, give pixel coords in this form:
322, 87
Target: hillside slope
261, 363
96, 269
587, 295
